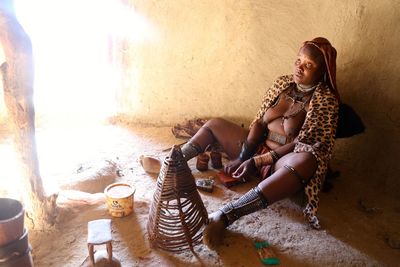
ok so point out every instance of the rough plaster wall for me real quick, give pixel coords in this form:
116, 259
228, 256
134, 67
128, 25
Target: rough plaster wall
215, 58
368, 79
199, 65
3, 111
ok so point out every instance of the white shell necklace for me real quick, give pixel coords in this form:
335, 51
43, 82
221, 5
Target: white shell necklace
305, 89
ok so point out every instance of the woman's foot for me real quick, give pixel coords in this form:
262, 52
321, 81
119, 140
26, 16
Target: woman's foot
214, 232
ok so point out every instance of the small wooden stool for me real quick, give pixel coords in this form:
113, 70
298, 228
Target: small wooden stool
99, 233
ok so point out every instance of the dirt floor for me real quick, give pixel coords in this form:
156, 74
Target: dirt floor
360, 225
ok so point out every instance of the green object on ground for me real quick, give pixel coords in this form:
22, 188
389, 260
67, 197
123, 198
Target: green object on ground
266, 254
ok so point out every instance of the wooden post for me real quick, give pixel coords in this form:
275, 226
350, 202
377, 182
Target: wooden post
18, 73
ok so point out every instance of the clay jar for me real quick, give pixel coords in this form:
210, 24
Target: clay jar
202, 162
216, 159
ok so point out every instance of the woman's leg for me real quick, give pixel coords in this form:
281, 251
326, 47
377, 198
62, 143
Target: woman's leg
227, 134
287, 178
292, 171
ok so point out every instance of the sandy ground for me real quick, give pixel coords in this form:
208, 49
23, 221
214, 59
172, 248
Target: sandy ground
360, 225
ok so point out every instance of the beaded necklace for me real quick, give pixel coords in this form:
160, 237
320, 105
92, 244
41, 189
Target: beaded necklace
297, 95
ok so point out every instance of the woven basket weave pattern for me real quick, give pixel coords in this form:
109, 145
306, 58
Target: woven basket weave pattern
177, 213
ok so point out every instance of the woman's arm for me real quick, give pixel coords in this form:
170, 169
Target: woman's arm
317, 134
272, 156
258, 128
285, 149
257, 132
255, 136
268, 158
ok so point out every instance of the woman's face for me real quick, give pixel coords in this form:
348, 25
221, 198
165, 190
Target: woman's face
309, 66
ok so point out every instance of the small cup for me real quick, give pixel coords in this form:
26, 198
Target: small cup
202, 162
216, 159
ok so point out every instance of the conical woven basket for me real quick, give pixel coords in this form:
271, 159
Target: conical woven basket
177, 213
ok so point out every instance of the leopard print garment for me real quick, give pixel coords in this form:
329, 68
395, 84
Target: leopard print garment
317, 135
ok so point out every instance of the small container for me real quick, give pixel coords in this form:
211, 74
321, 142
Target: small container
11, 220
216, 159
202, 162
205, 184
119, 198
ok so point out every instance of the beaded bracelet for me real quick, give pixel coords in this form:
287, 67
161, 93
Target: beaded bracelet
275, 156
263, 159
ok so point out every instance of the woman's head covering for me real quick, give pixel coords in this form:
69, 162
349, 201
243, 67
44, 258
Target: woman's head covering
329, 53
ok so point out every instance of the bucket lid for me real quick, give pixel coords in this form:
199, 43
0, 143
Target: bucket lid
119, 190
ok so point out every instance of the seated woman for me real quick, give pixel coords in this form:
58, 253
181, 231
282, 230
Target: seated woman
289, 143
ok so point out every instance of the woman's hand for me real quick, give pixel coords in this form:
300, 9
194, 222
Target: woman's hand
232, 166
245, 169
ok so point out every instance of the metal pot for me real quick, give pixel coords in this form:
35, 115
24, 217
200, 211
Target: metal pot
11, 220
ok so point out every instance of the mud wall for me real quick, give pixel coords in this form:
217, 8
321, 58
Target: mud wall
186, 58
215, 58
